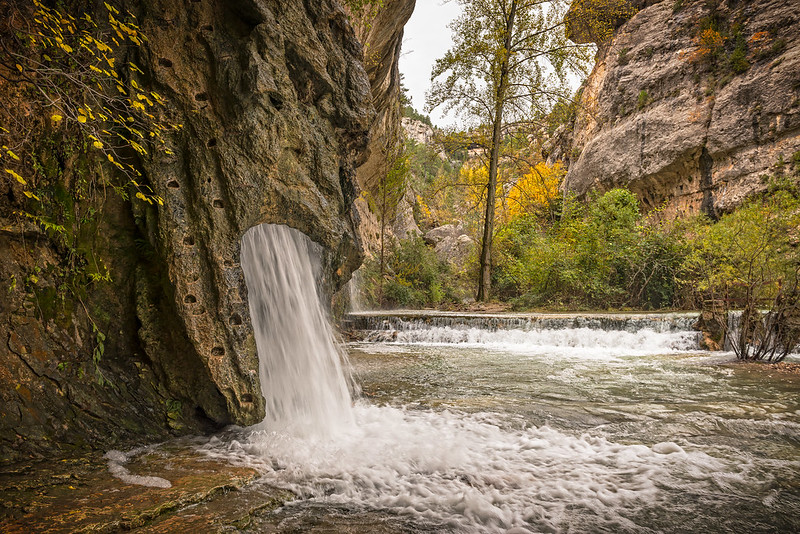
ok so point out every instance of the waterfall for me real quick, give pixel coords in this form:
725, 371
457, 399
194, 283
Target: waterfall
354, 287
301, 370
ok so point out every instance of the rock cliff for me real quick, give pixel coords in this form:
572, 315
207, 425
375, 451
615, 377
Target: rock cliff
277, 109
381, 32
691, 104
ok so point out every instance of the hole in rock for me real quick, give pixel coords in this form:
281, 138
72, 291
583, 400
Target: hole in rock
235, 319
218, 203
188, 241
201, 97
208, 28
276, 100
247, 398
173, 184
217, 351
164, 62
211, 142
190, 299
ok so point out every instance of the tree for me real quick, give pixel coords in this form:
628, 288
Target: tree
510, 62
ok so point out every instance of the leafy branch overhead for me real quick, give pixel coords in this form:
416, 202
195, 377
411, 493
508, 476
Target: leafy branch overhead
71, 73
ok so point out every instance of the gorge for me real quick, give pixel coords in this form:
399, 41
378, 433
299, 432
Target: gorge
178, 358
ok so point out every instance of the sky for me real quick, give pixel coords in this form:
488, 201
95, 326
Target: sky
426, 38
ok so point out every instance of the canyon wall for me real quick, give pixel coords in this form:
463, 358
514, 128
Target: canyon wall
277, 109
693, 105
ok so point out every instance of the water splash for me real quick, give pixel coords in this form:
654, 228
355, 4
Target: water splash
302, 377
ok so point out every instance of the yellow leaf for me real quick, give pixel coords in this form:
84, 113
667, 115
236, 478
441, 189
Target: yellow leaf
97, 144
81, 118
12, 155
56, 118
19, 67
110, 158
19, 178
30, 195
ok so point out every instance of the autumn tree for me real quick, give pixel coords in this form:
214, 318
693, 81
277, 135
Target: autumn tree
510, 62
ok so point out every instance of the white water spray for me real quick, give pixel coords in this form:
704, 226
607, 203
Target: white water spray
302, 377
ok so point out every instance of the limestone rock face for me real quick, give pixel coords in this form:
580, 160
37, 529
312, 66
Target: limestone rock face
417, 131
382, 36
277, 109
451, 242
404, 225
691, 130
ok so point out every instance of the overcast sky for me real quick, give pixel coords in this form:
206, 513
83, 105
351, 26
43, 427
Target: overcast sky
426, 39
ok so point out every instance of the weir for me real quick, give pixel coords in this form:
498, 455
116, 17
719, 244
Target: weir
629, 332
415, 320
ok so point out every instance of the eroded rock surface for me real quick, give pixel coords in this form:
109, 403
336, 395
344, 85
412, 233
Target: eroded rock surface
682, 124
277, 110
451, 242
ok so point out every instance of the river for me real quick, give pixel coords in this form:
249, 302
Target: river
511, 425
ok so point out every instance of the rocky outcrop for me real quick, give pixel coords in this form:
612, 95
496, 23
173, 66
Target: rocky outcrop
451, 242
417, 131
277, 109
381, 32
691, 104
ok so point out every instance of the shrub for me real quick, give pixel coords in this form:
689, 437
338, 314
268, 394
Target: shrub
749, 260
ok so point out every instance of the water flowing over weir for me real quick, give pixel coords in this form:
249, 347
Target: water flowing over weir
481, 438
598, 334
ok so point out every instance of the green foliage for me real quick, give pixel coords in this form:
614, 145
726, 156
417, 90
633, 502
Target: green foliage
411, 113
598, 255
414, 277
749, 260
364, 8
643, 99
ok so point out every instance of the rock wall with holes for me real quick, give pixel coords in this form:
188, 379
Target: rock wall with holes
692, 105
277, 110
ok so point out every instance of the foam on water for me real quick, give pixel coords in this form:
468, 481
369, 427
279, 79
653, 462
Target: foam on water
474, 472
573, 341
116, 466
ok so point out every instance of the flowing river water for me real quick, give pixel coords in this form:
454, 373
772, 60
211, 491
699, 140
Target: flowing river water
498, 424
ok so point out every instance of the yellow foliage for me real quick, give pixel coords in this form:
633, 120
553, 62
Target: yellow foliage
536, 189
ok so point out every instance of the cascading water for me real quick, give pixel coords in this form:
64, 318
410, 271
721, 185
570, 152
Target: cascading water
485, 439
302, 378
